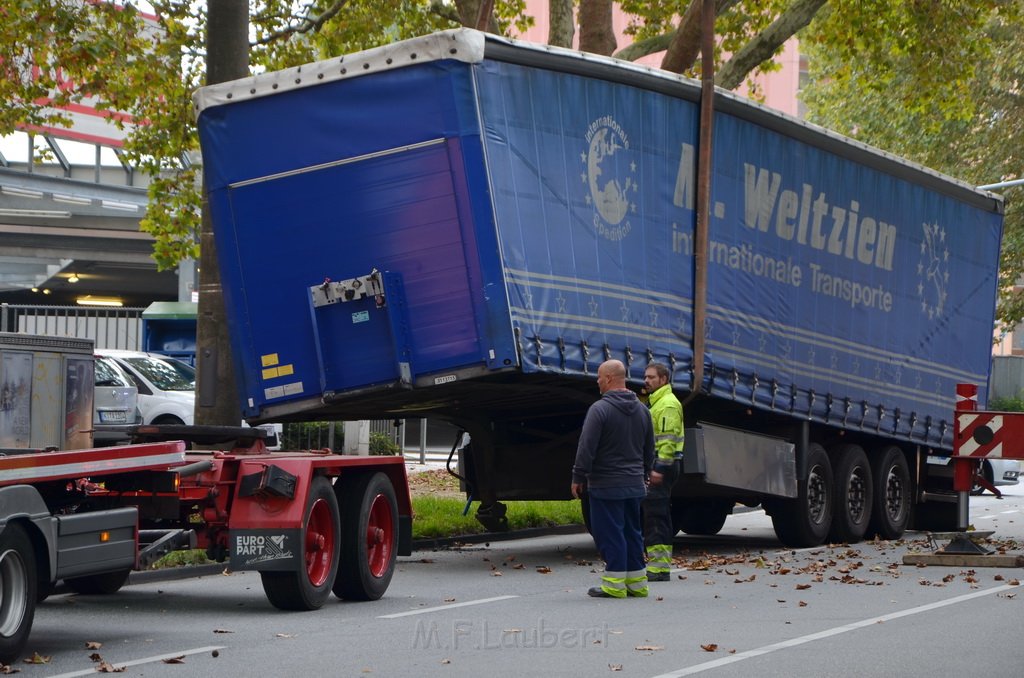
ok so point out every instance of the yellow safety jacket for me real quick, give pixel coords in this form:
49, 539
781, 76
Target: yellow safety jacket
667, 415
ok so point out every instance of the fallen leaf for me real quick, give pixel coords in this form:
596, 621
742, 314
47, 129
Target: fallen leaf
710, 647
427, 561
802, 604
802, 587
6, 669
446, 661
496, 573
649, 648
174, 660
518, 566
37, 658
449, 600
93, 645
615, 667
732, 651
513, 631
285, 635
660, 598
222, 631
95, 657
998, 577
107, 668
543, 569
779, 600
1014, 582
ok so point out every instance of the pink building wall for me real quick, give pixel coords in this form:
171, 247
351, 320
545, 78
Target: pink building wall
780, 88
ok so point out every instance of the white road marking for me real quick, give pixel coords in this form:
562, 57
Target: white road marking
445, 607
145, 660
749, 654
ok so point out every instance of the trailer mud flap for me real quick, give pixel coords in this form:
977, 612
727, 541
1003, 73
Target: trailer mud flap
266, 550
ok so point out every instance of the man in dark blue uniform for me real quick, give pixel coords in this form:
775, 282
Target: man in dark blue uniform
614, 459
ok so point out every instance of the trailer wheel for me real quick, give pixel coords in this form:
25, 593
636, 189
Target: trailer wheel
701, 517
985, 472
805, 521
890, 512
17, 591
369, 531
853, 494
309, 586
99, 584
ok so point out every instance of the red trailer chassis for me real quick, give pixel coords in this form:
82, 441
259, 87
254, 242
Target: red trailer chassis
310, 522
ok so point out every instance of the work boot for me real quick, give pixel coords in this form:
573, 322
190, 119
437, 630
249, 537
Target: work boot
658, 576
598, 592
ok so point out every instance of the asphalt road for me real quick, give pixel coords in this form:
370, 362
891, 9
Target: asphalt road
739, 605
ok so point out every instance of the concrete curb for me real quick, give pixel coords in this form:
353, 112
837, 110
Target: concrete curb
487, 537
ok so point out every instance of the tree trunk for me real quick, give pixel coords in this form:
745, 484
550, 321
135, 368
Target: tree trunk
561, 28
684, 48
227, 50
763, 46
596, 33
469, 14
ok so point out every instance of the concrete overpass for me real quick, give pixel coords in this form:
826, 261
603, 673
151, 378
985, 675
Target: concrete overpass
68, 231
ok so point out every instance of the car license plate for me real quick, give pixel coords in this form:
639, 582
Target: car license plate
114, 417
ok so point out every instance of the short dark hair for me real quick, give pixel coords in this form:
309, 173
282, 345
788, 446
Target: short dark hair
661, 370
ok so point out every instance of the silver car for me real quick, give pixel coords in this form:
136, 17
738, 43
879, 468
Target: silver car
116, 403
998, 472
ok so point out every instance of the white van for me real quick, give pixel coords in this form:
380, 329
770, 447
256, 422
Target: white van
166, 386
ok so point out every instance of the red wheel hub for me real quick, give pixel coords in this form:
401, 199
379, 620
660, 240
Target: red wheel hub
380, 536
319, 543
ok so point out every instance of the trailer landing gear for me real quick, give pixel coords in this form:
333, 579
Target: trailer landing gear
492, 516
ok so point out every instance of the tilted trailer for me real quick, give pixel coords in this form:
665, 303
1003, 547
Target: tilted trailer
464, 227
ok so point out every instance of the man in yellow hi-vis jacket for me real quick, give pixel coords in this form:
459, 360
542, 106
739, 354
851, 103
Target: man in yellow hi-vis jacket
667, 417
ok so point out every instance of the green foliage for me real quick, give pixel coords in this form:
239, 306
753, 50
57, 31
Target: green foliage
945, 92
438, 517
383, 444
1015, 404
181, 559
311, 435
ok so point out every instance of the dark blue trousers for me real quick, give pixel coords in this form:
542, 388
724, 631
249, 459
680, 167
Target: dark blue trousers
615, 525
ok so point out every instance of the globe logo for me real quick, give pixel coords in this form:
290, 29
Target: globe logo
610, 178
933, 270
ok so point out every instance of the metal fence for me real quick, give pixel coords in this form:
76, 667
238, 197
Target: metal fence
107, 327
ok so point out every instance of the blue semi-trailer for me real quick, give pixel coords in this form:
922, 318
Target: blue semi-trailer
463, 227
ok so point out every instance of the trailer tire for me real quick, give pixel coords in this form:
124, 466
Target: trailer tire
369, 531
17, 591
806, 520
700, 517
309, 586
890, 512
977, 489
99, 584
853, 494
